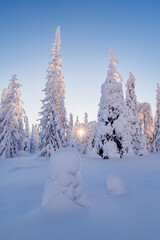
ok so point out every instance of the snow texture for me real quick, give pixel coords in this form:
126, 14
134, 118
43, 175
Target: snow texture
64, 180
133, 216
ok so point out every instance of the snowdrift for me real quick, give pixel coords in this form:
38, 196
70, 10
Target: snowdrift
64, 181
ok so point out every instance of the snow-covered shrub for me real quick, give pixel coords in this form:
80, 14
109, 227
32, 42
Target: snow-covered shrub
64, 180
115, 186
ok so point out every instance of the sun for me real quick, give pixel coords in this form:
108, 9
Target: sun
81, 132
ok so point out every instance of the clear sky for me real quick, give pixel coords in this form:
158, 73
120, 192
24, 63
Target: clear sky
88, 29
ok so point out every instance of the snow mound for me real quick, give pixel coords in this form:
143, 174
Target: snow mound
115, 186
64, 181
93, 154
23, 154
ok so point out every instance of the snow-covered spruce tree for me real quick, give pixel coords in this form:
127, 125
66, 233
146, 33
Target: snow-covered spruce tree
70, 131
53, 122
81, 134
84, 133
92, 137
31, 140
12, 115
27, 135
146, 122
3, 97
133, 120
156, 133
76, 138
71, 120
34, 138
75, 135
86, 118
77, 123
112, 140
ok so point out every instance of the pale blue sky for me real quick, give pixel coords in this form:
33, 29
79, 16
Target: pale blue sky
88, 30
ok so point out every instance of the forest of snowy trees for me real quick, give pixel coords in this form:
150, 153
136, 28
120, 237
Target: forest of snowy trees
124, 126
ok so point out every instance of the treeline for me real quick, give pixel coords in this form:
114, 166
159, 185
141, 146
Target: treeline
124, 127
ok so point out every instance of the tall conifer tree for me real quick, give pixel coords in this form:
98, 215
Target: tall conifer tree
146, 122
112, 139
137, 139
12, 117
27, 135
53, 122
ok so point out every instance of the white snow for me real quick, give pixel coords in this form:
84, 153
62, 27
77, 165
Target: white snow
131, 216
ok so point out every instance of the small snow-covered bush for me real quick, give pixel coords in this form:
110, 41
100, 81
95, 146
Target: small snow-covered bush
115, 186
64, 180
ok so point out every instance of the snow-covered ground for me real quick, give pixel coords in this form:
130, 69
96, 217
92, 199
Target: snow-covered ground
123, 198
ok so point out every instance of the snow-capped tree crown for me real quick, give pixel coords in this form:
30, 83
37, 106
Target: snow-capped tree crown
85, 118
77, 123
112, 75
13, 95
55, 85
112, 99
